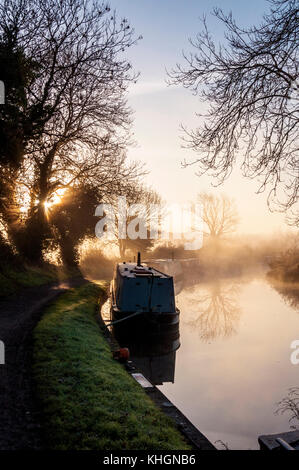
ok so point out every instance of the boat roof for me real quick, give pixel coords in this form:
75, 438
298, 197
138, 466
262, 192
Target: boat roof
132, 270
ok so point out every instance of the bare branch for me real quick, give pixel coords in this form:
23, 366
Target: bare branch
251, 87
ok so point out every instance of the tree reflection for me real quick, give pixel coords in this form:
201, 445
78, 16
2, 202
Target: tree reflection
289, 293
290, 405
219, 310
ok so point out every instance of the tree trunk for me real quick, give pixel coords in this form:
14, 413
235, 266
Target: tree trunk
69, 252
9, 206
38, 229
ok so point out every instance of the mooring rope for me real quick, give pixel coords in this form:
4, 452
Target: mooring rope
125, 318
129, 316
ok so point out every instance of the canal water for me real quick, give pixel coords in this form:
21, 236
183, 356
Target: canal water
233, 365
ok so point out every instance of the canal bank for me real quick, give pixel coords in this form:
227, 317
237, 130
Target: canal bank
19, 411
192, 435
88, 399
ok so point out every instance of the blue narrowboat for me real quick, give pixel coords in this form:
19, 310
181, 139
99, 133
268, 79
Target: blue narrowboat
143, 301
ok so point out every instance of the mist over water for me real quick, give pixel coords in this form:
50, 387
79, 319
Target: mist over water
237, 324
233, 366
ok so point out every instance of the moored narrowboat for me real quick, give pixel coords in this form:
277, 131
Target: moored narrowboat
143, 301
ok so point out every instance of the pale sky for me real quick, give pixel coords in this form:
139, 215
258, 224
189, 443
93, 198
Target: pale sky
159, 110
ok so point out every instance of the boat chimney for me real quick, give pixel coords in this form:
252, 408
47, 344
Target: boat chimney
138, 259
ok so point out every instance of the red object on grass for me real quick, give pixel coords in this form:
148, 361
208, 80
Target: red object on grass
122, 354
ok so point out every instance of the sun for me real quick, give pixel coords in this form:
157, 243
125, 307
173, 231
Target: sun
48, 204
55, 199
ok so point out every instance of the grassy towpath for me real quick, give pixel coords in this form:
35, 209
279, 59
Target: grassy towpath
88, 399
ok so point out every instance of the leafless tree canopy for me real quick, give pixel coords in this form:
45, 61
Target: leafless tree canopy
251, 87
75, 100
74, 115
76, 95
150, 205
219, 214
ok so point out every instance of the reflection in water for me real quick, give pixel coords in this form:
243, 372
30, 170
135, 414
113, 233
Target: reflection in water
214, 309
290, 405
289, 293
229, 387
157, 369
155, 359
153, 353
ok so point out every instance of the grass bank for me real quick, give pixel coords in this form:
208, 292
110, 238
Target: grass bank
13, 279
88, 399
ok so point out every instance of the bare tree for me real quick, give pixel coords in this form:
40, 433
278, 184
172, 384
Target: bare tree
251, 86
76, 109
86, 184
219, 214
149, 210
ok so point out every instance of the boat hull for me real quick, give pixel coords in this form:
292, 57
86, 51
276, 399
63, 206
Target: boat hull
151, 327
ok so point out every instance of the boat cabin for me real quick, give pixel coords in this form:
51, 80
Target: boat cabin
139, 287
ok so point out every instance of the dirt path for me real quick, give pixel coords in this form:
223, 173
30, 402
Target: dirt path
19, 414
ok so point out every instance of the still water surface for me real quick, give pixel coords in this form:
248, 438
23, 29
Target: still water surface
233, 365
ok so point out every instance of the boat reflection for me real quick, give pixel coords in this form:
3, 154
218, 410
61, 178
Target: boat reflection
154, 358
214, 309
153, 353
158, 369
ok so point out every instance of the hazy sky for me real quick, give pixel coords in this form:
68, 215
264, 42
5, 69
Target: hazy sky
159, 109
